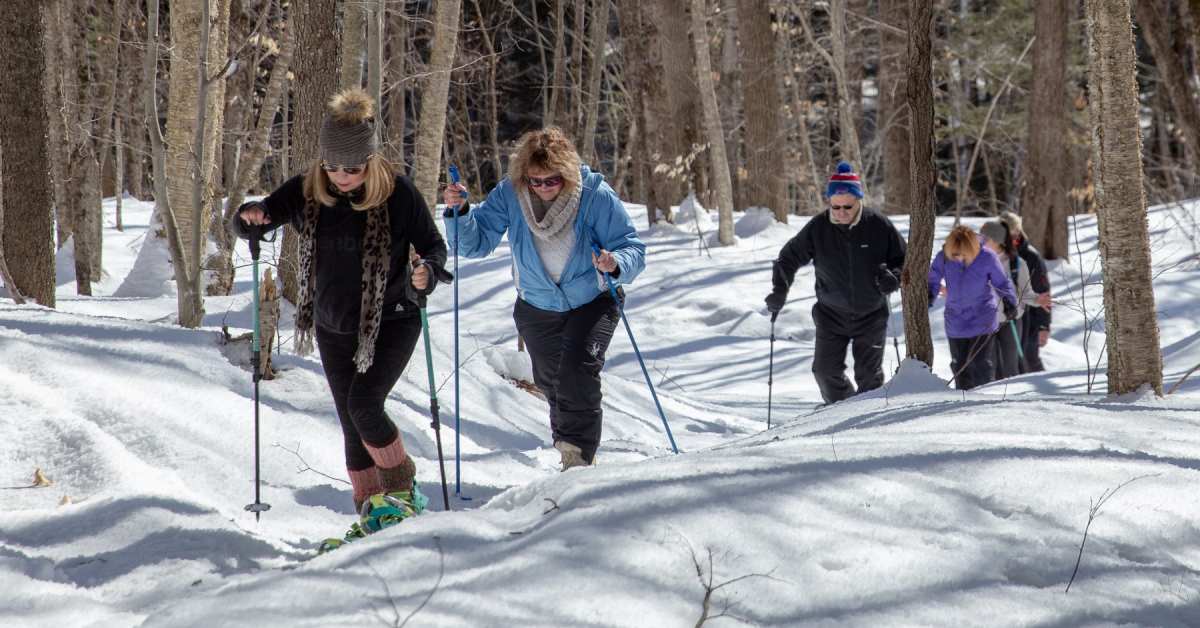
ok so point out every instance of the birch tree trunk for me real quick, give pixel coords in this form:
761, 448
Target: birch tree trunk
26, 200
712, 123
764, 183
353, 22
1044, 202
1134, 356
914, 285
427, 156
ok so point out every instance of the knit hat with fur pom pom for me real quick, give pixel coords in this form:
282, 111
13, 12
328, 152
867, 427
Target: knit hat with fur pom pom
348, 131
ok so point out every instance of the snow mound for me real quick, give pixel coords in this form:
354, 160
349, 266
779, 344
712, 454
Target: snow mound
914, 377
510, 364
692, 216
755, 221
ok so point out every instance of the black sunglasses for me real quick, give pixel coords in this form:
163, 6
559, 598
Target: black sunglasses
841, 207
346, 169
544, 182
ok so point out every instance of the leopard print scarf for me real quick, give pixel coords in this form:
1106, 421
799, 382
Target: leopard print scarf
376, 257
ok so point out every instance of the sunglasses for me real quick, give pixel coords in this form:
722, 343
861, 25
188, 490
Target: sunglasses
346, 169
552, 181
841, 207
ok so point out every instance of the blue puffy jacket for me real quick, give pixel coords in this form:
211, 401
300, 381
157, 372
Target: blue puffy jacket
972, 305
602, 220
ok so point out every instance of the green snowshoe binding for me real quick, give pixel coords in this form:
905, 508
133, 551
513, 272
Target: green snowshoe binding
380, 511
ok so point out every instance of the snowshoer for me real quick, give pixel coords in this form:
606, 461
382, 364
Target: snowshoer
359, 292
977, 287
858, 254
554, 209
1007, 348
1036, 330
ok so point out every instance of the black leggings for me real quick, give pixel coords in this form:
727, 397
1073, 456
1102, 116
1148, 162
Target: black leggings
359, 397
971, 361
567, 351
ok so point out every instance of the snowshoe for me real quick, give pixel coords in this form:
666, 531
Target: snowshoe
380, 511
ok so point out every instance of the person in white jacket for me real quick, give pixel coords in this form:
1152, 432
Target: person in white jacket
1006, 344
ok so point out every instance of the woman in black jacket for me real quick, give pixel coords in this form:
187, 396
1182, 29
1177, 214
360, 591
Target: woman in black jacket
358, 288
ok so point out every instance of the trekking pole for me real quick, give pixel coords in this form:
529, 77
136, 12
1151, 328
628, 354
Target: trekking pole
455, 178
255, 237
612, 290
436, 423
1017, 338
771, 369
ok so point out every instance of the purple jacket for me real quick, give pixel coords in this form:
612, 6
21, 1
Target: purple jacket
971, 304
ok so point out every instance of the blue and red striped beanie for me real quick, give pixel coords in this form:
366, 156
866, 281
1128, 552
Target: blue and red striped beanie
844, 181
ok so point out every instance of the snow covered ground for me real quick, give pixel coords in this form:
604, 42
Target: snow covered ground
914, 505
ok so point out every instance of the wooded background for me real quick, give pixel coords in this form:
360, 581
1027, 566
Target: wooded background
964, 107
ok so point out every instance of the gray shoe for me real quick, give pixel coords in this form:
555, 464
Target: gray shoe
572, 455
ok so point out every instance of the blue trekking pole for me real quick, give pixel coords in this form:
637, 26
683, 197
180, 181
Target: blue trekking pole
455, 178
612, 290
255, 238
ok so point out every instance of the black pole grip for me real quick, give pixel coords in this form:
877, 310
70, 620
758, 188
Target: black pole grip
254, 236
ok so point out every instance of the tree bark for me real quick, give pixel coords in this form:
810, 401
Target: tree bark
434, 94
847, 124
914, 286
646, 104
1044, 202
764, 184
353, 22
316, 80
397, 114
892, 119
712, 123
599, 37
557, 96
27, 232
1134, 357
681, 125
1154, 17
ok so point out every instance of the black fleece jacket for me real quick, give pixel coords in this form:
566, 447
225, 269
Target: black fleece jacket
337, 297
847, 260
1039, 280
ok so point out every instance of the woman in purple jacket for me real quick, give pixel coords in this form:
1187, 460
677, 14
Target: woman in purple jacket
974, 280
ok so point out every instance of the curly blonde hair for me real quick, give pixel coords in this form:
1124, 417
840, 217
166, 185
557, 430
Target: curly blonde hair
548, 149
962, 241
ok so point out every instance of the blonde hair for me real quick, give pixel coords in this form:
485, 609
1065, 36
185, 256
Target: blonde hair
548, 149
377, 187
962, 241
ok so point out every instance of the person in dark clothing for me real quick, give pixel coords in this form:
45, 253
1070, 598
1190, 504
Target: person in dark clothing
359, 289
1036, 328
554, 211
857, 254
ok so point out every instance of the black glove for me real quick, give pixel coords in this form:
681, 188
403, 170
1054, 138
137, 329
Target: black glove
451, 212
885, 280
1010, 310
775, 301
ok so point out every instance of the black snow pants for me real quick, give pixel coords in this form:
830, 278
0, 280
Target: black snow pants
567, 350
865, 334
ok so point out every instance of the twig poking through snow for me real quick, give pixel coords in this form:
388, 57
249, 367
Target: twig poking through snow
1095, 512
296, 452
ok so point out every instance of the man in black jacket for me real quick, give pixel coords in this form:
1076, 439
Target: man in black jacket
858, 254
1035, 325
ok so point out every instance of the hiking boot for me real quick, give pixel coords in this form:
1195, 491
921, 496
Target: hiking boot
570, 455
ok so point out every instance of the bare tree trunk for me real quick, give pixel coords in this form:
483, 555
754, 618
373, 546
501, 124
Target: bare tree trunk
1134, 357
763, 187
914, 285
893, 117
599, 37
729, 96
27, 236
1155, 17
375, 23
397, 87
578, 36
492, 96
353, 22
712, 123
680, 125
316, 80
434, 94
646, 104
57, 131
1044, 202
557, 97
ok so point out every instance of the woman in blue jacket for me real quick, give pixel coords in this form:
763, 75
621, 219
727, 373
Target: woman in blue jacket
556, 212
